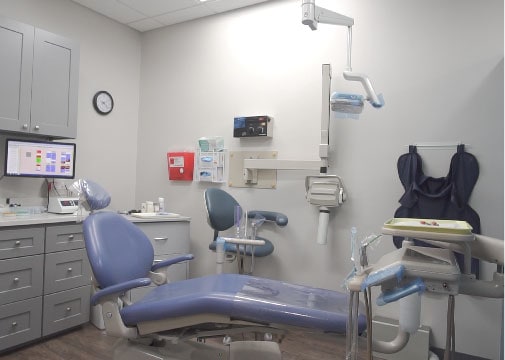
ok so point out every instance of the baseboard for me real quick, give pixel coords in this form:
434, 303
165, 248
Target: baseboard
457, 356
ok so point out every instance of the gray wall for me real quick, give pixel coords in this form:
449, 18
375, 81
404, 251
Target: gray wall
439, 65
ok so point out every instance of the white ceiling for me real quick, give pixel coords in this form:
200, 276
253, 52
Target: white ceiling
144, 15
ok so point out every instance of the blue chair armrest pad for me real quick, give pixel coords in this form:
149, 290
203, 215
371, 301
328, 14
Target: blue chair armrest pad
279, 218
172, 261
119, 288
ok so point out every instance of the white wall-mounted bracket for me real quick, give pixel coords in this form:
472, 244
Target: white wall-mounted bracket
278, 164
313, 14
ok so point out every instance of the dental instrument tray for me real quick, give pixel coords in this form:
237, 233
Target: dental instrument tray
429, 229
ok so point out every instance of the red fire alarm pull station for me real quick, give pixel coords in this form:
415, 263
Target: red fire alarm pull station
180, 165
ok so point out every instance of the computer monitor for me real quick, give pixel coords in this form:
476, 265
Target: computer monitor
41, 159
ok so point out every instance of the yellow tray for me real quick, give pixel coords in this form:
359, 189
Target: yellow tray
430, 225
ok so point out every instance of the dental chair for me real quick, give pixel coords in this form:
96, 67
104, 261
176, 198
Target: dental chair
221, 215
173, 320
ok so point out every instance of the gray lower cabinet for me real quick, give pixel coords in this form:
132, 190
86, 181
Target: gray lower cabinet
44, 281
39, 72
169, 239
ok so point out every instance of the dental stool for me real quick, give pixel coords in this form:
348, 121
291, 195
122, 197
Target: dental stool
221, 212
173, 320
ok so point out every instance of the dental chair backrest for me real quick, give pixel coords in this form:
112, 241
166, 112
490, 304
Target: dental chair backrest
118, 250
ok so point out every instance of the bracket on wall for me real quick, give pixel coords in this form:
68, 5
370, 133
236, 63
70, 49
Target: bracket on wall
239, 176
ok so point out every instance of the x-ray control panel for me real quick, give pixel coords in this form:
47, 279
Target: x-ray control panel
252, 126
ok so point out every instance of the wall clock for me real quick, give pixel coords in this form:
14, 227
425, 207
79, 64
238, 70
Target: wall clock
103, 102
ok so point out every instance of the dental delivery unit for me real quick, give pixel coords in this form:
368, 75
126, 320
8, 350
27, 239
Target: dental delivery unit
404, 274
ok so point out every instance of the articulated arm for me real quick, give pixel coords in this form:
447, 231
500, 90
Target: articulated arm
312, 15
279, 218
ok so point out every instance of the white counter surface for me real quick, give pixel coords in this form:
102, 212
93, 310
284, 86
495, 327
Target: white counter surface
48, 218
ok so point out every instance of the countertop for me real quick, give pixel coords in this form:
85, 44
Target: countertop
49, 218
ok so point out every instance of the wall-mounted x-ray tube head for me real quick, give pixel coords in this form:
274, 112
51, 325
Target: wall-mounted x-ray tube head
312, 15
372, 97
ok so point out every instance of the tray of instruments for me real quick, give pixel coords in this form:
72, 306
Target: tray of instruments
429, 229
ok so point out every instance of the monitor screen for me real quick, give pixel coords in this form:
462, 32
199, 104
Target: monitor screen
43, 159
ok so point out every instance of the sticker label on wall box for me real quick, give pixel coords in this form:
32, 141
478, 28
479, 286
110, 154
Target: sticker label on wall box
176, 161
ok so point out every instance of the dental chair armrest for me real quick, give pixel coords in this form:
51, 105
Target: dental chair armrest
172, 261
118, 289
279, 218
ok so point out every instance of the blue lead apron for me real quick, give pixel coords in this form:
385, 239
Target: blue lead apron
444, 198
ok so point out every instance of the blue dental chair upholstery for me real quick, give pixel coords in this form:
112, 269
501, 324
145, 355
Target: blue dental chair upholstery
121, 258
221, 216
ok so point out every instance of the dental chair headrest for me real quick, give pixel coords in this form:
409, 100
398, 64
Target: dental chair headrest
91, 195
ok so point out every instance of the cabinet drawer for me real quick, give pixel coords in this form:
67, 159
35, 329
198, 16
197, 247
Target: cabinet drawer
21, 242
66, 309
65, 270
64, 237
21, 278
167, 237
20, 322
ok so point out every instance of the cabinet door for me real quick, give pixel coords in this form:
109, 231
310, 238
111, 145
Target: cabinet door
54, 85
16, 54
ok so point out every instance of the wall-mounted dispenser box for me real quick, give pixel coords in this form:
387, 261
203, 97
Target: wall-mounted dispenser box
252, 126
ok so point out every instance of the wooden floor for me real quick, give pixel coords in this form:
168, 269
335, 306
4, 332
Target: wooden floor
87, 342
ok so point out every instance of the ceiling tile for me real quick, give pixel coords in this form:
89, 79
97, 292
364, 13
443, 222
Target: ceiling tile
144, 15
145, 24
112, 9
219, 6
158, 7
179, 16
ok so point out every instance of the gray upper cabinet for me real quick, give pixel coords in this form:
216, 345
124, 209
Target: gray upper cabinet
41, 70
16, 59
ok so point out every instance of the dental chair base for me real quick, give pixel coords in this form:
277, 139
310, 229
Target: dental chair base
243, 350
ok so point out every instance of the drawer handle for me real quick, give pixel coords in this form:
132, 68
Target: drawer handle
17, 243
16, 279
14, 324
71, 237
160, 238
69, 269
68, 309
